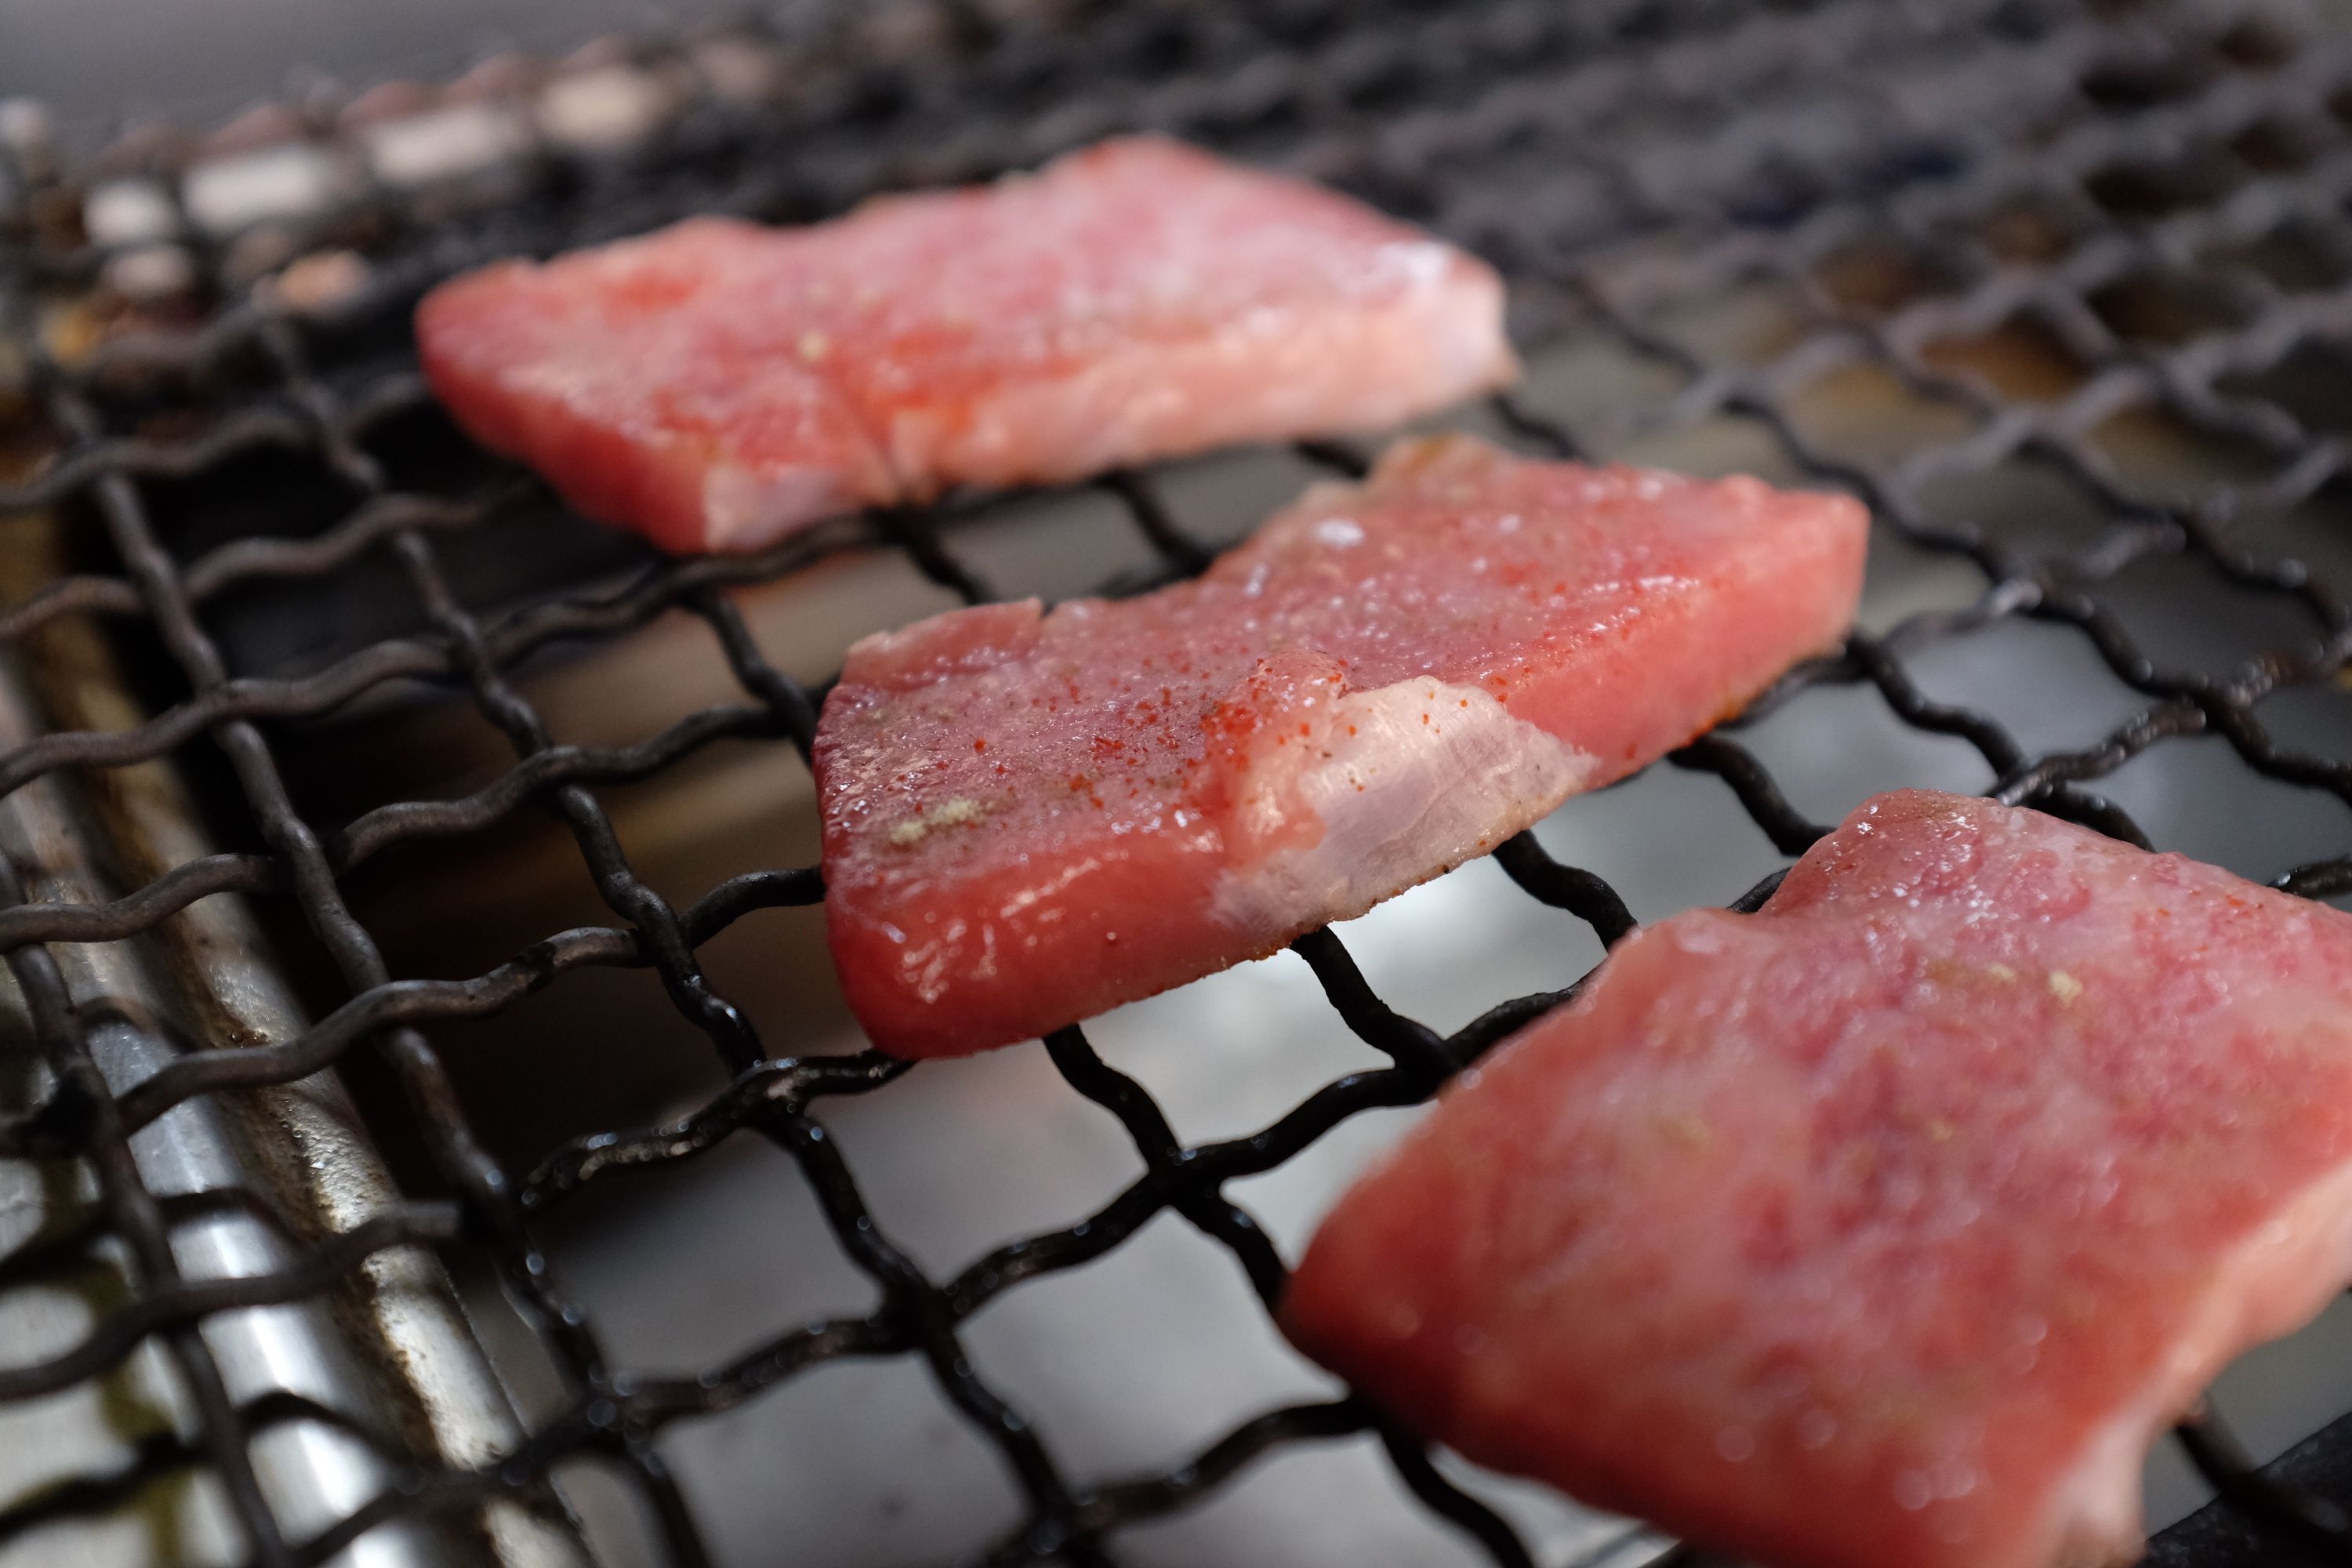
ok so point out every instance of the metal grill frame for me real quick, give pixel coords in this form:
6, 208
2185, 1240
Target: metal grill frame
960, 95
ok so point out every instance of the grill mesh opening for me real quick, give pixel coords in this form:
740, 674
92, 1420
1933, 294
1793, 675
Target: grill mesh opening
2057, 288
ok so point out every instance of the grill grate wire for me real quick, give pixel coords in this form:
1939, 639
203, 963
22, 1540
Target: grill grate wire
1640, 176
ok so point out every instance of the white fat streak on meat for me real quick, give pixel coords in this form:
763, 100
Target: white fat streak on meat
1327, 366
1332, 366
746, 510
2275, 1282
1432, 775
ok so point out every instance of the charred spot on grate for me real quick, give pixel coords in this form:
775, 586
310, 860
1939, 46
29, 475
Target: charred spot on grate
2054, 285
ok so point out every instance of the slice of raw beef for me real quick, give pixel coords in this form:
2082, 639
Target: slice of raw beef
1030, 818
1887, 1224
718, 383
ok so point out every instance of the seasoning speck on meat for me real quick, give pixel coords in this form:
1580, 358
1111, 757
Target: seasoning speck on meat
1030, 818
1887, 1226
717, 385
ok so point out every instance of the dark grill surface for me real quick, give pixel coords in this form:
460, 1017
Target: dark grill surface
2103, 246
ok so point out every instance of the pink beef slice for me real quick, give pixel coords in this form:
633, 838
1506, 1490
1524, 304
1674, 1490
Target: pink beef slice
1030, 818
1887, 1226
717, 384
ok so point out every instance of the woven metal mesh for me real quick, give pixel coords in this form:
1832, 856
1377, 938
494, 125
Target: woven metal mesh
2144, 205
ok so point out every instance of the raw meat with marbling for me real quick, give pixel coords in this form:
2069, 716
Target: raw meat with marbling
1032, 816
717, 384
1887, 1224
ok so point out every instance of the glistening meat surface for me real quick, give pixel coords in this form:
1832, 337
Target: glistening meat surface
1030, 818
718, 383
1886, 1225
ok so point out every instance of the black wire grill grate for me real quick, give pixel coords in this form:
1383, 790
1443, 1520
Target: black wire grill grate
1903, 178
